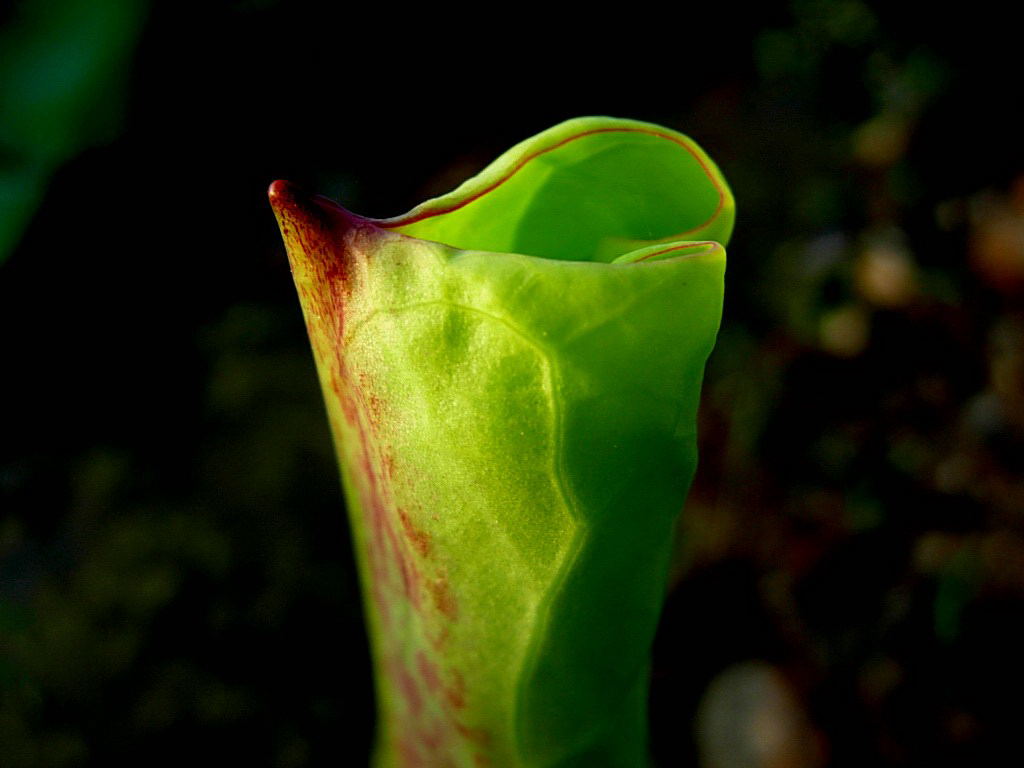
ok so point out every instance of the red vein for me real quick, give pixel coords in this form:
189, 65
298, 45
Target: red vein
683, 247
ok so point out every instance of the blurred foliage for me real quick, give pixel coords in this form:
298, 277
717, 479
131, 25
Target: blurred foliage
154, 624
174, 571
862, 494
64, 73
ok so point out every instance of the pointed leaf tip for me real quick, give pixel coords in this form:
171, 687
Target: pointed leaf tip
278, 189
315, 228
292, 201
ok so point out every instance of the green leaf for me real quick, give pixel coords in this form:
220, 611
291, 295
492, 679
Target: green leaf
512, 373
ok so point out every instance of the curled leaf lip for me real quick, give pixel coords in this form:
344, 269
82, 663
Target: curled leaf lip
507, 187
449, 203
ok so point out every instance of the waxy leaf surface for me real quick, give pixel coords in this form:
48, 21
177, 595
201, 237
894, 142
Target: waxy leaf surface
512, 374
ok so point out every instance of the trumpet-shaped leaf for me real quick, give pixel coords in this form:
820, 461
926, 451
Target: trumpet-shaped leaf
512, 373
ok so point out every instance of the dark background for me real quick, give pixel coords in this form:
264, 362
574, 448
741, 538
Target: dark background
176, 582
